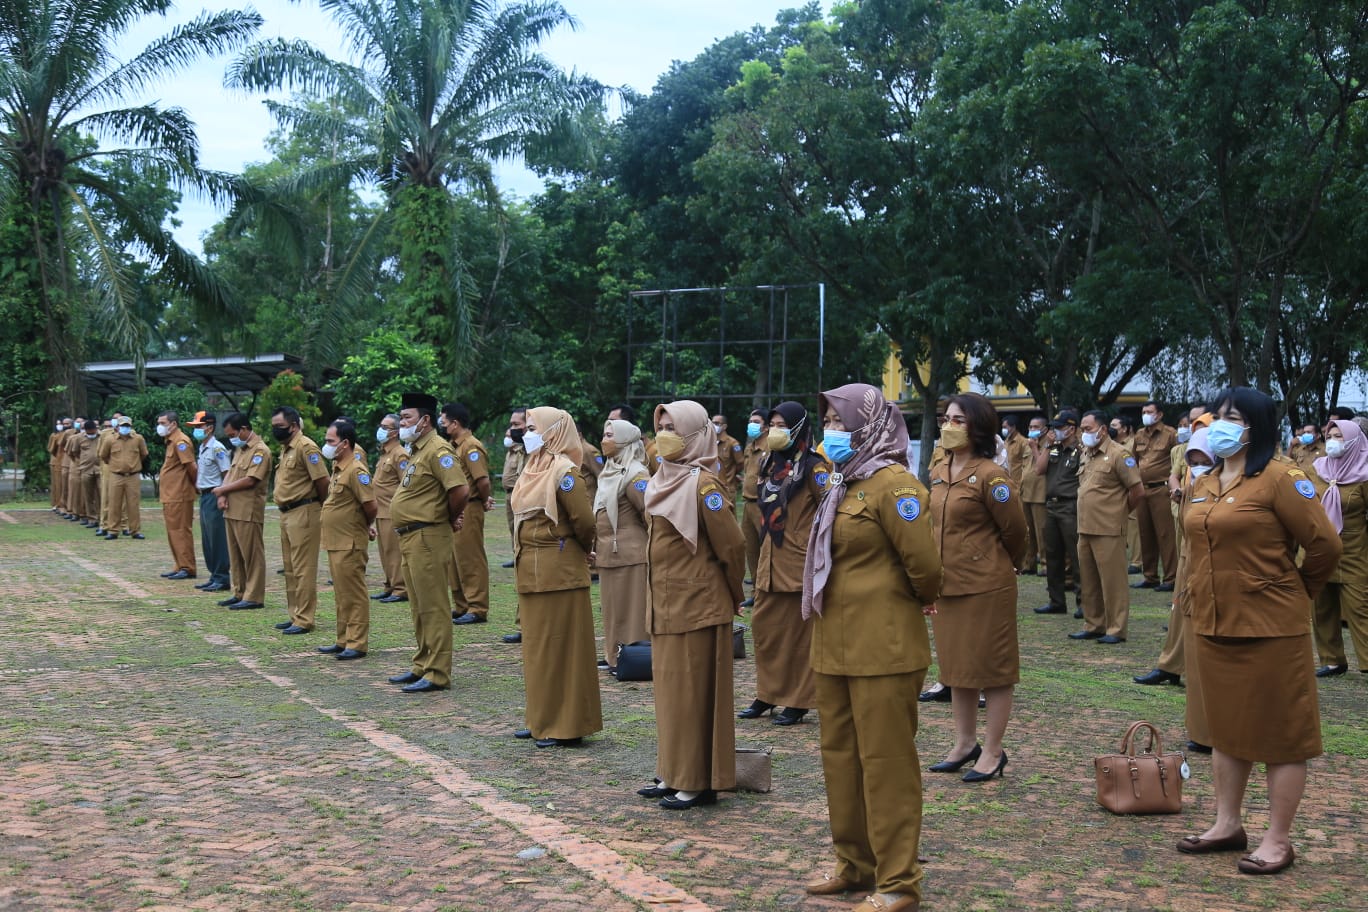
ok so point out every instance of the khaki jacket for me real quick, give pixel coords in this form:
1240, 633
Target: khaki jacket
751, 457
252, 459
980, 528
1104, 478
126, 454
628, 548
703, 589
301, 464
781, 569
389, 468
730, 459
552, 557
176, 483
433, 470
342, 519
1151, 447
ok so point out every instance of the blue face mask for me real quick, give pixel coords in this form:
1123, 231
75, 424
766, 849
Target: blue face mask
199, 433
1034, 434
752, 431
235, 441
838, 448
125, 430
1184, 434
1307, 439
1224, 438
381, 435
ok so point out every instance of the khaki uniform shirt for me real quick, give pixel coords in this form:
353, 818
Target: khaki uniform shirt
653, 459
730, 459
343, 520
127, 453
251, 459
475, 462
1304, 456
1151, 447
884, 567
691, 591
1104, 478
751, 457
301, 464
433, 470
390, 467
104, 446
1019, 459
1242, 574
551, 557
980, 527
628, 547
1032, 485
1353, 565
591, 468
55, 450
515, 457
71, 446
174, 484
780, 569
88, 456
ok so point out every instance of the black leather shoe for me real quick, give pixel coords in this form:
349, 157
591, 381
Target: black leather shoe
954, 766
558, 742
99, 533
111, 536
748, 603
1078, 614
1110, 640
468, 618
391, 599
935, 696
655, 791
229, 601
170, 573
1051, 609
330, 650
603, 665
1198, 747
245, 606
512, 637
675, 803
181, 574
523, 734
293, 630
1086, 635
204, 585
1164, 587
1132, 569
380, 595
283, 625
1330, 671
975, 776
214, 587
790, 716
757, 709
1158, 676
347, 655
507, 565
422, 685
1144, 584
139, 536
407, 677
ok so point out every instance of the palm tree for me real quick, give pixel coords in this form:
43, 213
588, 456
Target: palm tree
442, 90
65, 127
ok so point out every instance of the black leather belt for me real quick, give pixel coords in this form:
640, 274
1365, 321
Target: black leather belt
1156, 484
1059, 499
286, 508
411, 527
126, 474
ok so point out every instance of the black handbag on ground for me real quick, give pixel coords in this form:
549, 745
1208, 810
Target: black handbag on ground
634, 661
739, 640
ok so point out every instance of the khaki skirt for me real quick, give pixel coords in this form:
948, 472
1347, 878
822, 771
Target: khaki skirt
622, 593
1259, 697
783, 647
560, 672
695, 729
976, 639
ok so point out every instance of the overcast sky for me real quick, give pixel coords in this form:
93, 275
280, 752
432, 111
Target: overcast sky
618, 43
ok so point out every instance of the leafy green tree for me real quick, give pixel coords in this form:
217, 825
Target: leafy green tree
144, 407
288, 389
374, 380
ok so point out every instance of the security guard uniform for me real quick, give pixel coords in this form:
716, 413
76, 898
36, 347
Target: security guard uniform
296, 497
470, 571
176, 490
1151, 447
344, 536
126, 455
1061, 515
1105, 477
245, 515
389, 468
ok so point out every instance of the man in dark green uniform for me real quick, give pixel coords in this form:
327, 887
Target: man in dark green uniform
1058, 462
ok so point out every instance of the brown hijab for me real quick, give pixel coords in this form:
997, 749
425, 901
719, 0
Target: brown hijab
672, 493
619, 469
561, 452
878, 435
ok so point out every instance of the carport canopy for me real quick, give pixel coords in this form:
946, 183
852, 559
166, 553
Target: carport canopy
232, 377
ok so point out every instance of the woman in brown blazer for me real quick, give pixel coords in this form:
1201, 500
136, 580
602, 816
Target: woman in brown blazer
1247, 604
697, 561
620, 549
872, 568
793, 477
553, 535
980, 529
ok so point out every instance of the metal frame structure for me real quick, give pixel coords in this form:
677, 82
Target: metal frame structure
671, 345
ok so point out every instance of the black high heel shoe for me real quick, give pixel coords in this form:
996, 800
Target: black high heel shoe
655, 790
954, 766
756, 710
976, 776
791, 715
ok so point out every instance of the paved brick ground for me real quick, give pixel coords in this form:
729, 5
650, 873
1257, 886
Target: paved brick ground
159, 752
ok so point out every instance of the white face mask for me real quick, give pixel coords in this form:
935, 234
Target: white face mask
381, 435
508, 443
532, 441
329, 451
717, 429
1149, 419
1091, 440
1334, 448
59, 427
163, 430
1005, 432
407, 433
1199, 470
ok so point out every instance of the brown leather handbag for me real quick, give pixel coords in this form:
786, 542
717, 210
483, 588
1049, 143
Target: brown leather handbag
1147, 782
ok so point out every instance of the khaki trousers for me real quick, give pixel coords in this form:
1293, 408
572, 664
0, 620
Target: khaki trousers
247, 560
1155, 516
1132, 539
300, 530
427, 566
179, 516
751, 522
54, 488
75, 491
391, 561
90, 489
107, 499
1035, 535
1102, 581
1173, 657
123, 494
873, 777
348, 569
470, 591
1346, 601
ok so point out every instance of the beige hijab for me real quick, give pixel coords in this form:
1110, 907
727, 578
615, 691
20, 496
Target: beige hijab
561, 452
619, 469
672, 493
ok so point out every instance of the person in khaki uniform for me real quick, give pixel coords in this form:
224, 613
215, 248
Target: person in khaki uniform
126, 453
980, 530
1307, 446
554, 536
696, 564
619, 554
301, 486
470, 567
1109, 487
1021, 462
346, 532
792, 481
176, 490
730, 459
75, 493
515, 457
751, 517
56, 461
1247, 604
1151, 446
1342, 476
1033, 497
389, 468
427, 509
872, 570
102, 450
88, 469
592, 466
242, 498
1057, 461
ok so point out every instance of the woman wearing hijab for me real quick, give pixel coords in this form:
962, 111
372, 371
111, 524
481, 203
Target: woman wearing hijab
620, 554
553, 534
872, 569
792, 479
1344, 469
980, 529
697, 559
1247, 604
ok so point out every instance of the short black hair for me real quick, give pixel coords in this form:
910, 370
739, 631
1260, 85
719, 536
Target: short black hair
625, 412
1012, 421
170, 415
1261, 416
1342, 413
345, 429
456, 411
1097, 415
1154, 403
237, 421
91, 426
289, 413
519, 410
981, 421
1127, 421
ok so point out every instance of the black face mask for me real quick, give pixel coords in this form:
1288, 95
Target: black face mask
516, 434
1112, 432
280, 433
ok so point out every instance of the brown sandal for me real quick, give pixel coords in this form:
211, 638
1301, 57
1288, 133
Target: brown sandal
1196, 845
1252, 865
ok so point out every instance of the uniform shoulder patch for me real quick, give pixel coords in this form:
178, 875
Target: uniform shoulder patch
821, 478
256, 460
904, 492
640, 485
1296, 473
181, 447
737, 448
909, 508
1305, 488
1130, 462
403, 464
313, 458
474, 455
660, 459
567, 483
598, 459
447, 461
363, 478
1001, 493
713, 501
